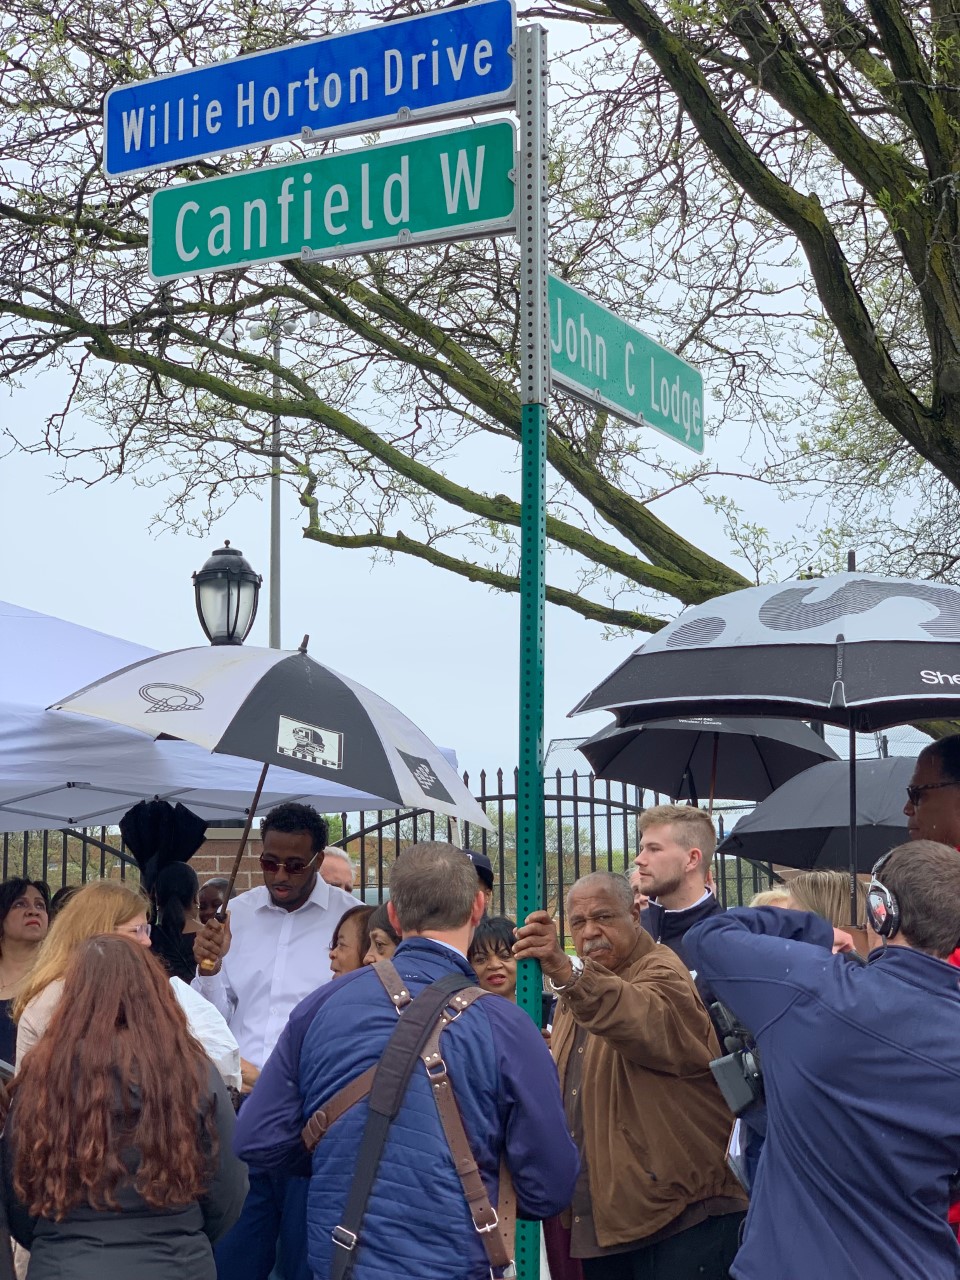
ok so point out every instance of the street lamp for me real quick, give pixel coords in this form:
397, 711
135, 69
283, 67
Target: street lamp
226, 591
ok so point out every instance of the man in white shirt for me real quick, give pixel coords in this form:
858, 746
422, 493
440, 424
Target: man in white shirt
270, 954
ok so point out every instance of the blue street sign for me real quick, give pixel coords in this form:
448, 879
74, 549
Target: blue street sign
448, 63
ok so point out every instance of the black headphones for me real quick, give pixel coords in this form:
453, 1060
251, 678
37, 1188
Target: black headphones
883, 909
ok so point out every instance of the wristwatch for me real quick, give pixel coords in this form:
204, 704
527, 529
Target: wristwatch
577, 965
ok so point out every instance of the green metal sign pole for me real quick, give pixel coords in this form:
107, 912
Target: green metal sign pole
535, 385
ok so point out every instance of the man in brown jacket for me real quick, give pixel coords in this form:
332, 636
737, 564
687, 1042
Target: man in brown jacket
633, 1044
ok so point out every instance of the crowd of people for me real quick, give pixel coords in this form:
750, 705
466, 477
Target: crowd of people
223, 1090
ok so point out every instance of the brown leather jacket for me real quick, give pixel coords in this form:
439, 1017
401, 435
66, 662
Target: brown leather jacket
655, 1125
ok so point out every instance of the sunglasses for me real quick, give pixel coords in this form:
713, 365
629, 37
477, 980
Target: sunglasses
914, 794
292, 866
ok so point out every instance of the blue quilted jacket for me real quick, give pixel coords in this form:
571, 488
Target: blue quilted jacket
417, 1223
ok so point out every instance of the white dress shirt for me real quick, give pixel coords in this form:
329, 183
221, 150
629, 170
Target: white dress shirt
276, 958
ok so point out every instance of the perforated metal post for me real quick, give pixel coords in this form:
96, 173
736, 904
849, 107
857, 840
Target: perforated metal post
274, 619
535, 385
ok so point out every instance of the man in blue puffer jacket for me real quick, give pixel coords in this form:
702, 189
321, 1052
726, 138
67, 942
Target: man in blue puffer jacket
417, 1224
861, 1066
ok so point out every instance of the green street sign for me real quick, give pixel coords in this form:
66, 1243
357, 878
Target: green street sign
602, 360
445, 186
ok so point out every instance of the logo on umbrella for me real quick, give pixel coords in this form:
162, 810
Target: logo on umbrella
791, 611
309, 743
170, 697
427, 780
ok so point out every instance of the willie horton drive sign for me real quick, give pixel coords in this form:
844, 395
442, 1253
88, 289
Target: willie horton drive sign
453, 62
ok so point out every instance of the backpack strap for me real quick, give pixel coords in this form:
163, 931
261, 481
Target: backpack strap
360, 1087
496, 1234
345, 1098
393, 984
389, 1085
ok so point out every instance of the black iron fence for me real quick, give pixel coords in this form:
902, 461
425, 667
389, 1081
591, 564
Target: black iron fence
589, 826
67, 857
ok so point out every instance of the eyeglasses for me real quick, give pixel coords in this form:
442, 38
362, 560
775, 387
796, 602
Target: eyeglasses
138, 931
292, 866
914, 794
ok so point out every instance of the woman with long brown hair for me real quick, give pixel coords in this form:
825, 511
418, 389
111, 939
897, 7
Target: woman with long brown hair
117, 1149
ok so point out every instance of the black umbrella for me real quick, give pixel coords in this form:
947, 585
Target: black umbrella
805, 823
853, 649
158, 833
730, 757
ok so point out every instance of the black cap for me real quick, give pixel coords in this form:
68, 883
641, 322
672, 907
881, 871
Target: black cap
483, 865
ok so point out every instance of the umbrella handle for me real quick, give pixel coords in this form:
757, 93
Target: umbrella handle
207, 966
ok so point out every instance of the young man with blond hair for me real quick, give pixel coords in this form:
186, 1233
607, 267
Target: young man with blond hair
676, 850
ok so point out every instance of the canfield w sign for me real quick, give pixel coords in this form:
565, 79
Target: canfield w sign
445, 186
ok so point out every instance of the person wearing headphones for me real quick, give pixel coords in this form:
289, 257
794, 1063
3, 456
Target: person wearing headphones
859, 1058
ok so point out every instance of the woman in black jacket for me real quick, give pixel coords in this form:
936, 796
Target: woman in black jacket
126, 1156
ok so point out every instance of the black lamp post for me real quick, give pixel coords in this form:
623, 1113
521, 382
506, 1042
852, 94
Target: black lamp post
226, 591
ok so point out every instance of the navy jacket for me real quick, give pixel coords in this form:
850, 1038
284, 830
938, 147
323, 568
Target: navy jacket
417, 1222
670, 927
861, 1066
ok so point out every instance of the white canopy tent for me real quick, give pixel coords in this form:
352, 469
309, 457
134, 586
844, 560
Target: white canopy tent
62, 770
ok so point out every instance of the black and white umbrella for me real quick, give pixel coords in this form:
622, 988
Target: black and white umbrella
805, 822
729, 758
854, 649
281, 708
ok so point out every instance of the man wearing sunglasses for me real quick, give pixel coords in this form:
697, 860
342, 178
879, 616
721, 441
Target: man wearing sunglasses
933, 796
270, 954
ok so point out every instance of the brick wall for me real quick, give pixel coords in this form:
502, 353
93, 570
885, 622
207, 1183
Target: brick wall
215, 857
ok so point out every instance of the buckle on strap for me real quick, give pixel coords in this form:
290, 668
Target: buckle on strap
317, 1124
344, 1238
436, 1068
491, 1226
509, 1272
455, 1006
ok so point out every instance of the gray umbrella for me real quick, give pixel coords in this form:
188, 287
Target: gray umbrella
805, 823
729, 757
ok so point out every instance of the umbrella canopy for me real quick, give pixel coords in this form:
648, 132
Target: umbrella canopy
853, 649
729, 758
281, 708
63, 770
805, 822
